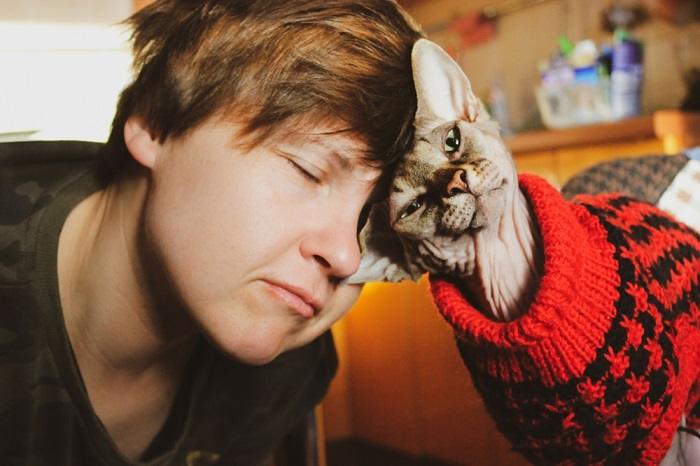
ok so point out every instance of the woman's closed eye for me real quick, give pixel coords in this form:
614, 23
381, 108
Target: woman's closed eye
306, 173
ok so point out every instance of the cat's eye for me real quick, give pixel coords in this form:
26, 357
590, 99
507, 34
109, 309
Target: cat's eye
452, 140
412, 207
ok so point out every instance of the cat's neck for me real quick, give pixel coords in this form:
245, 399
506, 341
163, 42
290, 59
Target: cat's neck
509, 262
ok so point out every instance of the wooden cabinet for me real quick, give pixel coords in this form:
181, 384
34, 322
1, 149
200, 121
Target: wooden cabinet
558, 155
401, 382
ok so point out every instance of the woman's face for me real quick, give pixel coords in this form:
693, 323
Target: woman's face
255, 242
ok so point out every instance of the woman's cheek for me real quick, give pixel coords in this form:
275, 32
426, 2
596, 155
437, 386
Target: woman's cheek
347, 296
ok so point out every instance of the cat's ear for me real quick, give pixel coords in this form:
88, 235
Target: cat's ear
443, 90
383, 258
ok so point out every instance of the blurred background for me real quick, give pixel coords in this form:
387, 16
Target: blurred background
508, 45
62, 66
572, 83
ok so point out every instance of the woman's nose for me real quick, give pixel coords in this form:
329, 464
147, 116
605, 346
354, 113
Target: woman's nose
334, 245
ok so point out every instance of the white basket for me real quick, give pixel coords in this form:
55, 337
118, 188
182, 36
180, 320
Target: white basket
574, 105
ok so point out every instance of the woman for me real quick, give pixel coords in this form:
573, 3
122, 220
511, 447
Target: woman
167, 298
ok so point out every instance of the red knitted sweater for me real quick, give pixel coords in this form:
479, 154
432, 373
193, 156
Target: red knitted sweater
606, 360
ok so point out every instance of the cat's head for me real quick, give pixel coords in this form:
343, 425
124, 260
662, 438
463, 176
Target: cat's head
452, 185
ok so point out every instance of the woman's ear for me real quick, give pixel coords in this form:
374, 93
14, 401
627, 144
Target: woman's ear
142, 146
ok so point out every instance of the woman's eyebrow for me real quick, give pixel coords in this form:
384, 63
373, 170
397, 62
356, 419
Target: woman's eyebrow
341, 160
336, 155
340, 149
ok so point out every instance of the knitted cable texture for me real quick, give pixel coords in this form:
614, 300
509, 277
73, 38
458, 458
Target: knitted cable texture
605, 362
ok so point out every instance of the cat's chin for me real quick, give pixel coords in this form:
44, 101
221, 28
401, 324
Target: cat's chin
489, 208
476, 226
445, 255
471, 225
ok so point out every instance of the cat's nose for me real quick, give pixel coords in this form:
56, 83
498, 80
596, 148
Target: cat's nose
458, 183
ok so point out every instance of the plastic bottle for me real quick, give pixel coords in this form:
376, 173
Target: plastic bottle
626, 77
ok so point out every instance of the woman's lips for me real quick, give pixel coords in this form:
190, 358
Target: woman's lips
292, 300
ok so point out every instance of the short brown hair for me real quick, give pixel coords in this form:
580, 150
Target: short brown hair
274, 61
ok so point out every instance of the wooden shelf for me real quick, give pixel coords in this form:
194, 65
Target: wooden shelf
618, 131
681, 126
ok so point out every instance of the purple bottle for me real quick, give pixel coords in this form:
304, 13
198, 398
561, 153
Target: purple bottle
626, 78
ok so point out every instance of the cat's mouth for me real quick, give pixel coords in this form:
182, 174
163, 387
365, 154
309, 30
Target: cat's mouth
471, 212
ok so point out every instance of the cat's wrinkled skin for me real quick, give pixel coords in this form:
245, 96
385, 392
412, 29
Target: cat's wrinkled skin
454, 207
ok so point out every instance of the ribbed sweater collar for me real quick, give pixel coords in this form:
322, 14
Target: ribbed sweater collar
573, 307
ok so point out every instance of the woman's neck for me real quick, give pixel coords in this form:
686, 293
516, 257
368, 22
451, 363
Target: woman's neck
112, 288
131, 340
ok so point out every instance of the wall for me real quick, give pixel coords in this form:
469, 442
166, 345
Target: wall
66, 11
527, 36
63, 65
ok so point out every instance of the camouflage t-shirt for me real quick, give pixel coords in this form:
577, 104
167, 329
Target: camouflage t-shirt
227, 414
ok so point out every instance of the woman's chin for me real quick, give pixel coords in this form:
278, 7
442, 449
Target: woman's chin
255, 347
257, 354
257, 358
